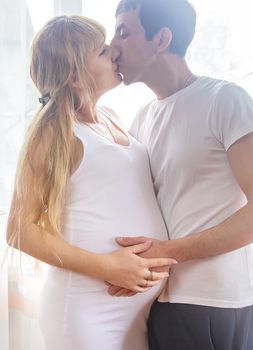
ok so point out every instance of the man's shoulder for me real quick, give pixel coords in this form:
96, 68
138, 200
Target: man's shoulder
229, 94
216, 93
222, 88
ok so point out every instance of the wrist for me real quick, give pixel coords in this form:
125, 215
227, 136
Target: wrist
93, 264
178, 249
162, 249
104, 267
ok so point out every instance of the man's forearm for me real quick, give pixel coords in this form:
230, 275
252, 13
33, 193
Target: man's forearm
233, 233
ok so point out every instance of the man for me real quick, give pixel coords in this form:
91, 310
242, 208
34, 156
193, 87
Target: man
199, 135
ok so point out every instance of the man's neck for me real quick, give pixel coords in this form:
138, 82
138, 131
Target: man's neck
168, 75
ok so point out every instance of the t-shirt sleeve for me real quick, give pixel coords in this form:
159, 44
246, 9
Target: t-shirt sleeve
232, 115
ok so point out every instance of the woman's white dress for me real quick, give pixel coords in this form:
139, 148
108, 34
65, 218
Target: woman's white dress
110, 194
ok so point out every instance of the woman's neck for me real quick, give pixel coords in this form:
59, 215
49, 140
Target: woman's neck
87, 115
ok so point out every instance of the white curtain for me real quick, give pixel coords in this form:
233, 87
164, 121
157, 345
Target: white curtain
222, 48
13, 108
19, 290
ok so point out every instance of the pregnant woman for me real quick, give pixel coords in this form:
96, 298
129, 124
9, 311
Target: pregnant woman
81, 181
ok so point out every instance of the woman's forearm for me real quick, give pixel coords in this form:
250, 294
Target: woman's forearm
40, 244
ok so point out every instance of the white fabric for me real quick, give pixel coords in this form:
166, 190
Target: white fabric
111, 194
187, 135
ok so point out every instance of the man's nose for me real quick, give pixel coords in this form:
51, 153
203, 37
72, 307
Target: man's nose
115, 53
114, 42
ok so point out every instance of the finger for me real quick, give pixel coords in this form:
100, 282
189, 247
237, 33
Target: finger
150, 284
154, 279
140, 248
123, 292
113, 290
141, 289
156, 262
128, 241
107, 283
157, 276
164, 268
131, 293
161, 268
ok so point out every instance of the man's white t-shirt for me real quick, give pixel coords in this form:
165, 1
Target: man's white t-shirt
187, 135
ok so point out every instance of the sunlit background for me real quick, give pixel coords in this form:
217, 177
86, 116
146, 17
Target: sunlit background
222, 48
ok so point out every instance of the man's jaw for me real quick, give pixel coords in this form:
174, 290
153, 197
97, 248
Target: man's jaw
123, 74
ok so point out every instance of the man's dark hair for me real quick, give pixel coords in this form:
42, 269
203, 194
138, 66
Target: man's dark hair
178, 15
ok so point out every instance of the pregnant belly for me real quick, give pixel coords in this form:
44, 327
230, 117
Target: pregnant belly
102, 241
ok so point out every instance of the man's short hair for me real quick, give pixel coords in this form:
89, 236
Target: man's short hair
178, 15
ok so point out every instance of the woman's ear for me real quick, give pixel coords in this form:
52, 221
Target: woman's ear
74, 82
163, 39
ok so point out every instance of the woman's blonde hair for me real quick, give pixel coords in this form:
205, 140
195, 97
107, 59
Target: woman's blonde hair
58, 57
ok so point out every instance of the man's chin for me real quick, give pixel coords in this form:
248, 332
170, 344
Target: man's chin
126, 80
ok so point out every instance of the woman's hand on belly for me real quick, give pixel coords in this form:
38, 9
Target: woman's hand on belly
152, 252
126, 269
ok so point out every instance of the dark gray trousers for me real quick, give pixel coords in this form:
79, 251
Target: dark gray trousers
173, 326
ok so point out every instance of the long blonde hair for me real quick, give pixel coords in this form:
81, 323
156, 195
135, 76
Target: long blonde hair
57, 56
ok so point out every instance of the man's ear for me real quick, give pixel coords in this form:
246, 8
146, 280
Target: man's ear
162, 39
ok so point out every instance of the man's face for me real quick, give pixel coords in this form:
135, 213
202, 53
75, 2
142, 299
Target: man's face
136, 52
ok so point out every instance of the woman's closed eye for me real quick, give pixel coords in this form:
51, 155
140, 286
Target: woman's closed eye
103, 50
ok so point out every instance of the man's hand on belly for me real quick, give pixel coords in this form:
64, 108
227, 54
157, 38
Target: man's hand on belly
155, 251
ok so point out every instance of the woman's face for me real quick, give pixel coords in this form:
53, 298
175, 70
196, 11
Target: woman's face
102, 65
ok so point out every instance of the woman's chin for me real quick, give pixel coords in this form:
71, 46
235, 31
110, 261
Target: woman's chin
117, 81
111, 87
